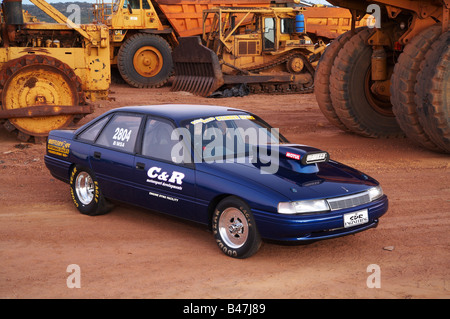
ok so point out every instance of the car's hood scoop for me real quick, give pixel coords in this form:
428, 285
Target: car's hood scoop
298, 158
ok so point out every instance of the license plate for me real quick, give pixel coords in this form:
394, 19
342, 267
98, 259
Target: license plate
356, 218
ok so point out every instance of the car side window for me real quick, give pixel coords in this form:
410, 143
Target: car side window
121, 132
91, 133
157, 142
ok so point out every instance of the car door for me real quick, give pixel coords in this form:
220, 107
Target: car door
164, 185
112, 156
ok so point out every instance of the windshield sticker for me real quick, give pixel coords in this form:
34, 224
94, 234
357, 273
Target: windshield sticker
293, 156
223, 118
60, 148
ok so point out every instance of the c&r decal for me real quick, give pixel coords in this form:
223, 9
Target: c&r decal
172, 181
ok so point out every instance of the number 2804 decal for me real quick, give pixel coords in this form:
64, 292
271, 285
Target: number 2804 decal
121, 136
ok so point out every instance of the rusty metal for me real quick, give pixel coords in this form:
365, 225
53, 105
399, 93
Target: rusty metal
379, 64
424, 13
330, 22
45, 110
199, 72
185, 16
28, 103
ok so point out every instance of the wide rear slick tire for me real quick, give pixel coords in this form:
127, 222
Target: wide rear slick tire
356, 106
86, 194
145, 60
234, 228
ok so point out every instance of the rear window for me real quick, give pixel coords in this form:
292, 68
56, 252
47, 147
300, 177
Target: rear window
91, 133
121, 132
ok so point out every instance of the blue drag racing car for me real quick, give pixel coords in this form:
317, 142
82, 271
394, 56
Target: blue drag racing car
221, 167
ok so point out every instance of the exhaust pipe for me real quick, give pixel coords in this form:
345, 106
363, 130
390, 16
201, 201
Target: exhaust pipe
12, 11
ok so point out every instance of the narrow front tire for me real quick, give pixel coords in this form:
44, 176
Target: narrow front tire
235, 229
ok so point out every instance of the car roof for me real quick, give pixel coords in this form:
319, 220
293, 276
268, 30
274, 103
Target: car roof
180, 112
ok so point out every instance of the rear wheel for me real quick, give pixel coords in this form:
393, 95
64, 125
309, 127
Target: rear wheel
403, 82
357, 106
86, 194
145, 60
234, 228
433, 93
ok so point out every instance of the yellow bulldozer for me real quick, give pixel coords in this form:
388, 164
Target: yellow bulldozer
49, 71
390, 78
266, 49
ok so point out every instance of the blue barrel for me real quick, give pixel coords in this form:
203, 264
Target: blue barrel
300, 23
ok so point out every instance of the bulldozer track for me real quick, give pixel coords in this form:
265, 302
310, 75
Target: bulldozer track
285, 88
279, 89
283, 58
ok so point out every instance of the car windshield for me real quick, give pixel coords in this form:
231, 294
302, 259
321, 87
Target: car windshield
229, 136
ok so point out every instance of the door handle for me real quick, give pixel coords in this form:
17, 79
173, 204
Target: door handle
97, 155
140, 165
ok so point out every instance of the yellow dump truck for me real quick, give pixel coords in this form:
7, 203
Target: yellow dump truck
49, 71
390, 78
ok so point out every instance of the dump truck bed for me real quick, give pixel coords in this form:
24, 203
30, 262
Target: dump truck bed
186, 16
326, 22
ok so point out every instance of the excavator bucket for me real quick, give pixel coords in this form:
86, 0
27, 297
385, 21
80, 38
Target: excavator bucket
197, 68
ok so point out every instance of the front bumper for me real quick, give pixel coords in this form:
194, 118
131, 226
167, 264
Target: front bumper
313, 227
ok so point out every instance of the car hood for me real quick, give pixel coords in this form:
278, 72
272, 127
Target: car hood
296, 182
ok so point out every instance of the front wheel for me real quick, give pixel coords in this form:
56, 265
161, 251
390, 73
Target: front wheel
145, 60
86, 194
234, 228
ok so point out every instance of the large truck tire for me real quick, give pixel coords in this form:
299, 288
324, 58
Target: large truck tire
403, 83
322, 78
145, 60
433, 93
361, 111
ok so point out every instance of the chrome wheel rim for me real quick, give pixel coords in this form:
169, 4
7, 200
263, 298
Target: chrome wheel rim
233, 227
84, 187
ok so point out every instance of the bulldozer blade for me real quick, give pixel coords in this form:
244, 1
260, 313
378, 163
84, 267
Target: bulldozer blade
197, 68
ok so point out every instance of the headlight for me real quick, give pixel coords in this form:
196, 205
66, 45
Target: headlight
375, 193
305, 206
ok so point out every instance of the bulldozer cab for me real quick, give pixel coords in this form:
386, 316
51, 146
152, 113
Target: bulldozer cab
252, 32
127, 14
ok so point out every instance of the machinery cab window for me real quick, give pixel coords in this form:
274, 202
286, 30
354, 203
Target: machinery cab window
133, 4
269, 34
287, 26
145, 4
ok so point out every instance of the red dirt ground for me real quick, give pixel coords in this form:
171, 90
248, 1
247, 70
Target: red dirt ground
132, 253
